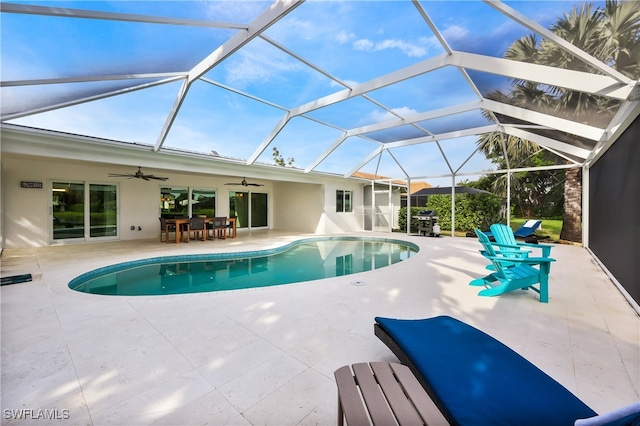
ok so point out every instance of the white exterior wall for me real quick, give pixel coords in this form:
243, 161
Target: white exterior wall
293, 206
299, 206
26, 215
334, 222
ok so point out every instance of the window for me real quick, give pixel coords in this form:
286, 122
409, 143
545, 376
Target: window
343, 201
187, 202
203, 202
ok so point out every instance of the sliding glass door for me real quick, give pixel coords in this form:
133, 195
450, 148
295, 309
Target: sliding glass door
103, 209
83, 211
249, 208
258, 210
67, 206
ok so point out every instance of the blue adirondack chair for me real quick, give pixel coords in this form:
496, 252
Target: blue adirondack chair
512, 273
506, 239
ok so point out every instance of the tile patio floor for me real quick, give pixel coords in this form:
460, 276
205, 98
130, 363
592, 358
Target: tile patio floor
267, 356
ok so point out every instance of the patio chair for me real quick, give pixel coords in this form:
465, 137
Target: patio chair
197, 227
527, 229
513, 273
218, 227
506, 238
166, 229
475, 379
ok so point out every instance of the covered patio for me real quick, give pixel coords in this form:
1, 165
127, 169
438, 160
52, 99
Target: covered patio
267, 355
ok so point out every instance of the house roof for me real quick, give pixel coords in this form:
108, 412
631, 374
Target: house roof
383, 88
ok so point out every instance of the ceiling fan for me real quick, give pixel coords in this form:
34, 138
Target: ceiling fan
244, 183
138, 175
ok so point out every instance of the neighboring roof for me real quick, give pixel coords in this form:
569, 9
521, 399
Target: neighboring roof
415, 186
446, 190
387, 88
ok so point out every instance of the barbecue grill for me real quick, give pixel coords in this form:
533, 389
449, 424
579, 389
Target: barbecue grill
426, 221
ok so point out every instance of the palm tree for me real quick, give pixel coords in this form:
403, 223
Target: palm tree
610, 34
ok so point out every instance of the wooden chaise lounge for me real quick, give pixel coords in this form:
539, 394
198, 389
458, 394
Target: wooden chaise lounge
476, 380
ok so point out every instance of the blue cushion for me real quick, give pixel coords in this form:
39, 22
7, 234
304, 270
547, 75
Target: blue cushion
479, 380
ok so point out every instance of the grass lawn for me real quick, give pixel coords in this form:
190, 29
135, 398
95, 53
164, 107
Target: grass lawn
549, 227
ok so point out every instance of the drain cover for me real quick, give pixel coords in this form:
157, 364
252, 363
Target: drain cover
358, 283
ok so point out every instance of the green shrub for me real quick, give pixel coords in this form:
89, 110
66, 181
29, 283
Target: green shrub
472, 211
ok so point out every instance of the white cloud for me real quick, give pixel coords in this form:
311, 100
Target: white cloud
364, 44
378, 116
411, 49
344, 37
455, 32
234, 11
255, 64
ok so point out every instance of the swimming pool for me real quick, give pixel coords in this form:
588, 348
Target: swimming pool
302, 260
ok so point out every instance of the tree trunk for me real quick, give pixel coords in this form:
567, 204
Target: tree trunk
572, 211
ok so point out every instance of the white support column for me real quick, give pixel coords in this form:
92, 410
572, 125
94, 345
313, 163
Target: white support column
390, 220
585, 206
453, 205
374, 217
508, 198
408, 206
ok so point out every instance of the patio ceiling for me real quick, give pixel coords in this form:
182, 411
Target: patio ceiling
390, 88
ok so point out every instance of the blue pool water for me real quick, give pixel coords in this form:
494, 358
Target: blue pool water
304, 260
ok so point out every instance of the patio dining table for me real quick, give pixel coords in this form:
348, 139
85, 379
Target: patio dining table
182, 225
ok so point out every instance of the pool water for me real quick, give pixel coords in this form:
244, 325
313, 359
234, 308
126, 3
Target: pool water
304, 260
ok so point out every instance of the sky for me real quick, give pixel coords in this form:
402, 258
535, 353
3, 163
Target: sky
352, 41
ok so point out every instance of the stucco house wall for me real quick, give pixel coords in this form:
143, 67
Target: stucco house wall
26, 212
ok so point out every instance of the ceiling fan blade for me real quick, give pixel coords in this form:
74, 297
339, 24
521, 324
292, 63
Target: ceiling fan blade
157, 177
121, 175
254, 184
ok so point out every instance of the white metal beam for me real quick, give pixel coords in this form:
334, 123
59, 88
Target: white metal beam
326, 153
26, 9
87, 99
626, 114
443, 136
413, 118
172, 115
574, 80
270, 16
434, 29
547, 142
265, 143
368, 158
377, 83
568, 126
562, 43
90, 78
